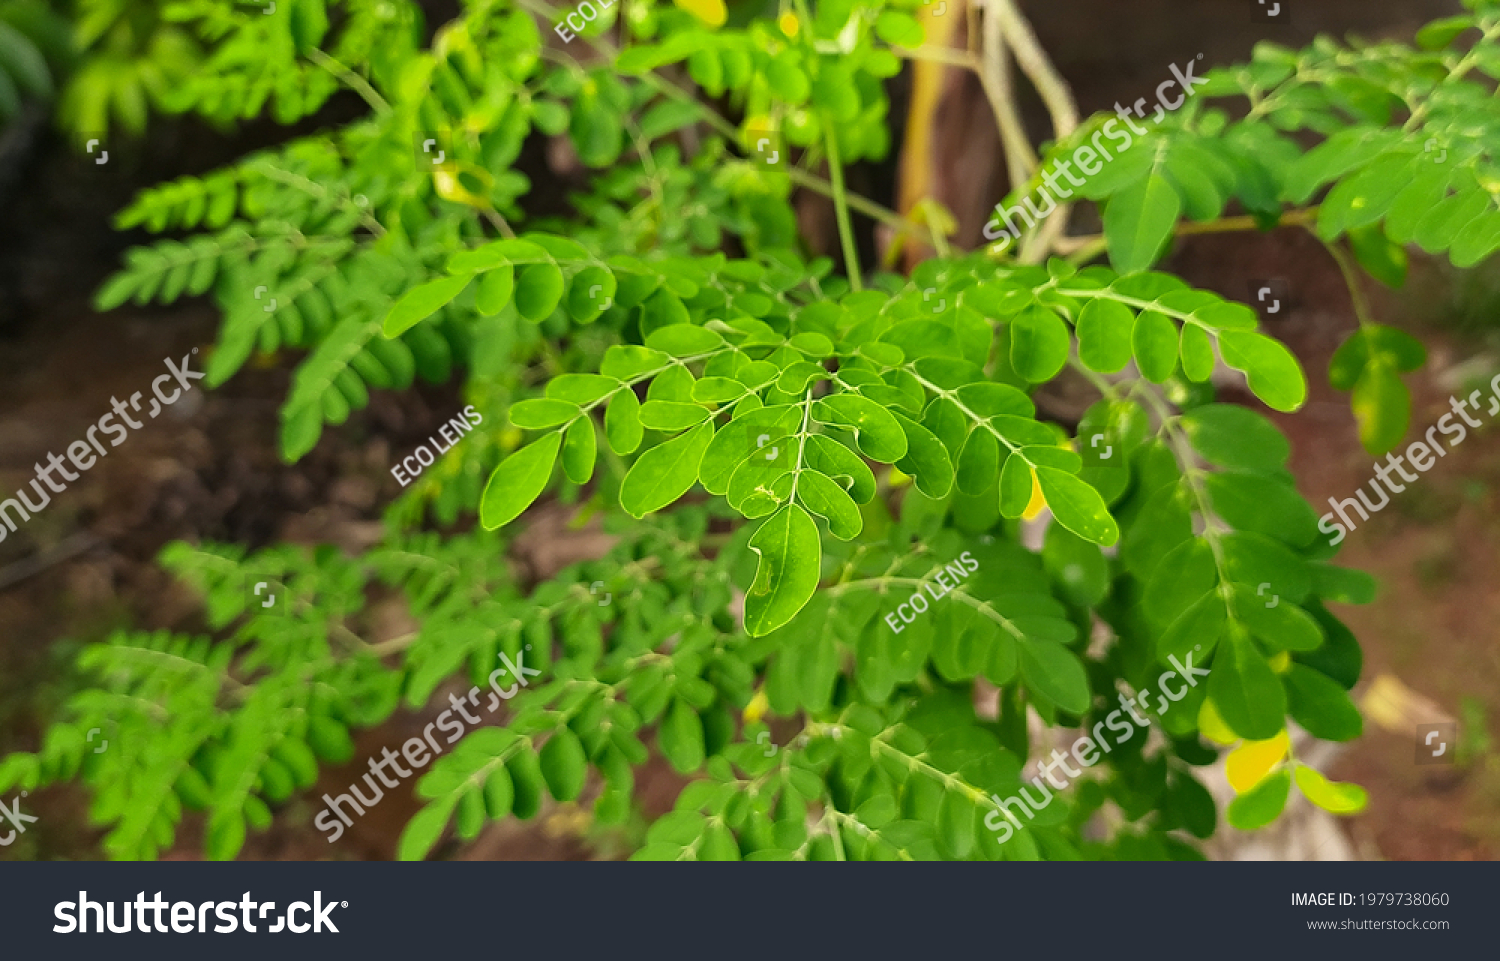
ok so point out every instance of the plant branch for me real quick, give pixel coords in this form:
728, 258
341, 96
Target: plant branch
1351, 280
354, 81
841, 207
1086, 248
1020, 159
1033, 61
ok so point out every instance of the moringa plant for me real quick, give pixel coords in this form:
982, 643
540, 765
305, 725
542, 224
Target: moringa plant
791, 451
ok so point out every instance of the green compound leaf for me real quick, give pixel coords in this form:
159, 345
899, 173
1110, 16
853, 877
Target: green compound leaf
666, 472
1077, 506
1154, 343
1235, 437
876, 430
759, 432
827, 456
1262, 804
422, 302
590, 293
1056, 673
926, 460
518, 481
539, 288
423, 830
579, 450
1440, 33
1139, 220
822, 496
683, 340
1015, 486
790, 561
622, 422
1274, 374
1247, 693
1039, 344
563, 764
540, 413
580, 388
978, 463
495, 289
1104, 335
1322, 706
1382, 408
680, 737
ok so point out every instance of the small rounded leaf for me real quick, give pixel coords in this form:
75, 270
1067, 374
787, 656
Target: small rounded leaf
1329, 795
564, 764
518, 481
680, 737
538, 290
579, 450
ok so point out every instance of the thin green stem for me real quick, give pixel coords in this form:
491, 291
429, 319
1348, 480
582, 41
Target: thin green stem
869, 208
802, 435
1351, 280
1082, 249
354, 81
841, 206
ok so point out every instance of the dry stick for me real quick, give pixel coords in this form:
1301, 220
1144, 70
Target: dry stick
1020, 159
1005, 26
20, 570
1033, 60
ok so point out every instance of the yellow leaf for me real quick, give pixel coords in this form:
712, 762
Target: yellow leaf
756, 708
1398, 708
1331, 796
446, 182
1212, 726
1038, 502
711, 12
788, 24
1248, 764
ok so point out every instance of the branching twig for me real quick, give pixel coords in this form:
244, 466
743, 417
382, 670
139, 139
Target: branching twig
1020, 159
1033, 60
